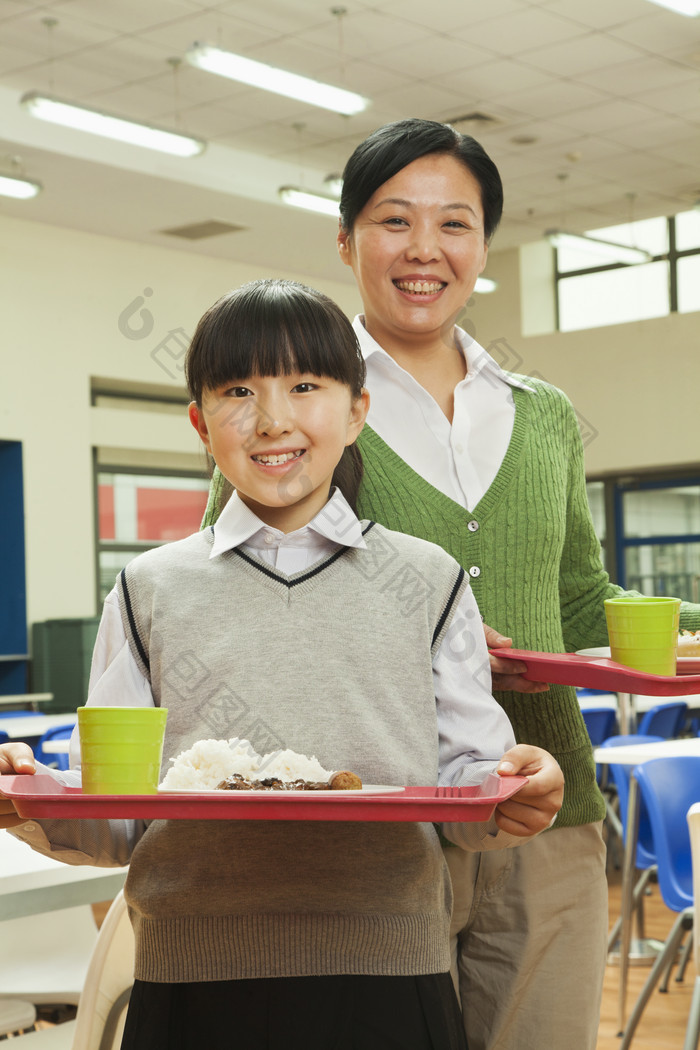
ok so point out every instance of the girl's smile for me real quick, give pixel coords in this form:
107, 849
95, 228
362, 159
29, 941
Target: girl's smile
278, 440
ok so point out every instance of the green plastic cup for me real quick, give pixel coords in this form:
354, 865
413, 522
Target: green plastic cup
121, 749
643, 633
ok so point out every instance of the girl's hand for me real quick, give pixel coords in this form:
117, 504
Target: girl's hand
14, 758
534, 807
508, 674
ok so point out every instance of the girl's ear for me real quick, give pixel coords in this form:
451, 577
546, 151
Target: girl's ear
197, 420
358, 415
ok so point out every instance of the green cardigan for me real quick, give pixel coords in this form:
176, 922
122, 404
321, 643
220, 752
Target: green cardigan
533, 558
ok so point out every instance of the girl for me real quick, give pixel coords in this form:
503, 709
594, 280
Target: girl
295, 625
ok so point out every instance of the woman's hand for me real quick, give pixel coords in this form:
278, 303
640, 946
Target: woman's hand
534, 807
508, 674
14, 758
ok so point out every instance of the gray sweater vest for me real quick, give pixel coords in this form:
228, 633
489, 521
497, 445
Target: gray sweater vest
334, 661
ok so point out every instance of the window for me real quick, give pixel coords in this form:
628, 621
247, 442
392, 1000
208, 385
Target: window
649, 527
137, 510
592, 292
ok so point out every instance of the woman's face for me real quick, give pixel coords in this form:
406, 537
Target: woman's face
416, 249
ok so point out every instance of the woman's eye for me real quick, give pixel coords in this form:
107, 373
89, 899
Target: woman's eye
395, 220
453, 224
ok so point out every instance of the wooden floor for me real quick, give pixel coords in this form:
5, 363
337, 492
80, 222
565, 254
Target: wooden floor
663, 1023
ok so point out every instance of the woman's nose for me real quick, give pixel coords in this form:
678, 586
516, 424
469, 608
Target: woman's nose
423, 246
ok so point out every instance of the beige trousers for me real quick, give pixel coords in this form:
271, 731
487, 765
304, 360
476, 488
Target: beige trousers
529, 937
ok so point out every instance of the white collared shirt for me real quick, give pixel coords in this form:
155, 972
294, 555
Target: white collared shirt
460, 458
473, 729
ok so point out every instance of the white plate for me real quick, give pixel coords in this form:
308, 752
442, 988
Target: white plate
367, 789
684, 664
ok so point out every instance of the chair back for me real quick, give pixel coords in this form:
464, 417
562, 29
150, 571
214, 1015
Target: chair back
694, 831
600, 723
57, 760
669, 787
646, 856
99, 1022
4, 737
664, 720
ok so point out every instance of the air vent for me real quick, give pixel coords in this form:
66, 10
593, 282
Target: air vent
197, 231
475, 119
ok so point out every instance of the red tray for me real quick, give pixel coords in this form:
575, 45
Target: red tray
598, 672
41, 796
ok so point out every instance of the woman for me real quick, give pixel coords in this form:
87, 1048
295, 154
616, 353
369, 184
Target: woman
490, 466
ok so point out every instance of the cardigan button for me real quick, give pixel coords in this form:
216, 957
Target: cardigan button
473, 526
475, 571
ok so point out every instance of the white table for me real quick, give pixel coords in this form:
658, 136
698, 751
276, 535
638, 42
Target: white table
59, 746
31, 883
634, 755
21, 726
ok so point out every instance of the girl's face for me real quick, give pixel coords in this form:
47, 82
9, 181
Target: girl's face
278, 439
416, 249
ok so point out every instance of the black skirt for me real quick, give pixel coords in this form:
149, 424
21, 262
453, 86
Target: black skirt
345, 1012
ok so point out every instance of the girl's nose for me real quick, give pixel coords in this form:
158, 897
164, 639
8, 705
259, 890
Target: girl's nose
273, 420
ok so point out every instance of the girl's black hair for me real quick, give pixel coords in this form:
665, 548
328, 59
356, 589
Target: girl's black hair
275, 327
390, 148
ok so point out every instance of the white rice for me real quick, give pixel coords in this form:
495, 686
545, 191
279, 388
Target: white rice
208, 762
288, 765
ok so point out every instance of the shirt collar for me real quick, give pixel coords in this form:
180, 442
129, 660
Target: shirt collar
237, 524
478, 360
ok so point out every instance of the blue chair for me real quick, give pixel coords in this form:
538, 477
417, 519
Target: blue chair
57, 760
668, 788
665, 720
19, 713
601, 723
4, 737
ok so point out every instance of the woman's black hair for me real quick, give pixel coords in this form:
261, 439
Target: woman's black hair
275, 327
390, 148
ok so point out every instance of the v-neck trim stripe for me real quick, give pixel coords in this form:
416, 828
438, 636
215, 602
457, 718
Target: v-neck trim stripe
132, 622
448, 606
302, 577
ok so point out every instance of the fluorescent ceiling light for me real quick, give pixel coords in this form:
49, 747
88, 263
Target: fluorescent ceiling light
484, 285
681, 7
310, 201
22, 189
45, 107
621, 253
259, 75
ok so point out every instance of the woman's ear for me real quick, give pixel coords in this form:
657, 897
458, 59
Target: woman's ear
197, 420
342, 241
358, 415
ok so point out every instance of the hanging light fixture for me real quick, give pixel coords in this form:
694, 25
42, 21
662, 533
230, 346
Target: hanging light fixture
96, 122
318, 202
279, 81
19, 188
681, 7
620, 253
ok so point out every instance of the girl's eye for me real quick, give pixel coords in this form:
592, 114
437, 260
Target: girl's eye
303, 388
238, 391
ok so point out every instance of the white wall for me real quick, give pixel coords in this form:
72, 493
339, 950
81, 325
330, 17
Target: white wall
635, 386
63, 295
